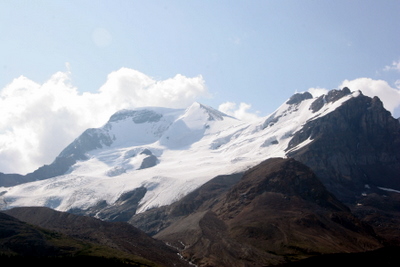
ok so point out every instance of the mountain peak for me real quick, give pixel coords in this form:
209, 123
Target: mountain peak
213, 114
139, 115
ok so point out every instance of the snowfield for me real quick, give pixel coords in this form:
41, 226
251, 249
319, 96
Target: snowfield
169, 151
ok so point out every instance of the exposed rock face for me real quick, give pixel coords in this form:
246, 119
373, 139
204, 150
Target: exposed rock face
137, 116
120, 211
8, 179
149, 161
89, 140
332, 96
58, 167
278, 208
297, 98
355, 146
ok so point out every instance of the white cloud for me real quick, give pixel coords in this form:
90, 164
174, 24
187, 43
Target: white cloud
39, 120
388, 95
397, 84
395, 66
316, 92
241, 112
127, 88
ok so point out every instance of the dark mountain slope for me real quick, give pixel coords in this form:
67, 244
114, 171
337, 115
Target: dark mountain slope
27, 244
17, 237
199, 200
355, 153
354, 147
118, 236
286, 201
382, 212
278, 211
10, 179
387, 256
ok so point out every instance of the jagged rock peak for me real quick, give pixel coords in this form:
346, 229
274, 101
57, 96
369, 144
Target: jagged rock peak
298, 98
334, 95
331, 96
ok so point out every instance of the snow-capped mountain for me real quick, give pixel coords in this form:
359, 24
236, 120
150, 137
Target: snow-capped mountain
169, 153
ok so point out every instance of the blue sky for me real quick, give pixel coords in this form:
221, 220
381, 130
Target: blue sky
239, 56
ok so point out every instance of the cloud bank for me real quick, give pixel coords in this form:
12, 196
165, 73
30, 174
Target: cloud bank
39, 120
240, 112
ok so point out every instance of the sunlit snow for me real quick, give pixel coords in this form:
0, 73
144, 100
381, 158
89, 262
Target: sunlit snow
191, 145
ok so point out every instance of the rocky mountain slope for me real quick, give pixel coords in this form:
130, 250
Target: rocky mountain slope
65, 234
354, 149
279, 211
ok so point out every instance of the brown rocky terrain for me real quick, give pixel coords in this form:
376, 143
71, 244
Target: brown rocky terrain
22, 243
278, 212
119, 237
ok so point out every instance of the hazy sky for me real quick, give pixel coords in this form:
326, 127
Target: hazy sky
68, 65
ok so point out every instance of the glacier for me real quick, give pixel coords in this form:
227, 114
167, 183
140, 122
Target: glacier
168, 151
